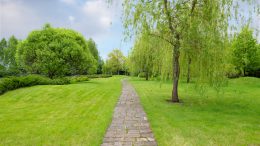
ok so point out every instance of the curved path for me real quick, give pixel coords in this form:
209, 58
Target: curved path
129, 126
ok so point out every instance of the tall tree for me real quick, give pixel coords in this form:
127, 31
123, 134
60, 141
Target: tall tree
93, 48
171, 19
3, 46
9, 53
245, 56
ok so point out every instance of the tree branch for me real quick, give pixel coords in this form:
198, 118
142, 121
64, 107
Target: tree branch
168, 16
161, 37
194, 2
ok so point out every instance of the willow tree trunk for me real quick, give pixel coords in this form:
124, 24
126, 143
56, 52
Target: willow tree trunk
176, 69
188, 72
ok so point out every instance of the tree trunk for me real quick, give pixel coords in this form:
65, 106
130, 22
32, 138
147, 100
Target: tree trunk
176, 70
188, 73
146, 76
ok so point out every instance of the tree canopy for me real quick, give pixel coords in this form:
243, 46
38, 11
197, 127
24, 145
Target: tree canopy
7, 53
115, 62
189, 27
246, 51
56, 52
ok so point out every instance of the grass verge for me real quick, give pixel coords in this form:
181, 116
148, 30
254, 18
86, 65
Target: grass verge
74, 114
228, 118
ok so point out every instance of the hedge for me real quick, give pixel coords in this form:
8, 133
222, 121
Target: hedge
13, 82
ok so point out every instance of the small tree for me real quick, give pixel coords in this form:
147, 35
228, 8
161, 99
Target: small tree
115, 61
245, 51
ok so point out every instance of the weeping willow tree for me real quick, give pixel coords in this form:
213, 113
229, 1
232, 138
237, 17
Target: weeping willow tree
196, 30
147, 57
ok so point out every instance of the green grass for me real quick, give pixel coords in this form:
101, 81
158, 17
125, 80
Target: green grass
228, 118
75, 114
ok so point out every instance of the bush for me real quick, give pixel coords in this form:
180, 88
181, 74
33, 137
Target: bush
13, 82
141, 75
99, 76
80, 78
60, 81
4, 73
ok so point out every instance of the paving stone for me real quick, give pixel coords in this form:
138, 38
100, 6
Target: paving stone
130, 126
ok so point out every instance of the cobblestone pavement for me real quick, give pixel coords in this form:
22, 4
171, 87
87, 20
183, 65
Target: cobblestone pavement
129, 126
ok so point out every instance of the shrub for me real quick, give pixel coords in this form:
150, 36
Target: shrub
13, 82
99, 76
4, 73
60, 81
81, 78
141, 75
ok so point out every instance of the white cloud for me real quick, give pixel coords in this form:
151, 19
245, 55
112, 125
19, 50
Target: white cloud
99, 13
71, 19
16, 19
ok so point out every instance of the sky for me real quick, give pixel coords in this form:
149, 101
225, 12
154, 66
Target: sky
95, 19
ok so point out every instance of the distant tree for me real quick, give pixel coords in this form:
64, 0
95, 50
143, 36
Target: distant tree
115, 62
93, 48
245, 53
144, 55
94, 51
55, 52
100, 65
106, 69
9, 53
3, 46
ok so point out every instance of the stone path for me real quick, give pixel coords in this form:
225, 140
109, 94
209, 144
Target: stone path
129, 126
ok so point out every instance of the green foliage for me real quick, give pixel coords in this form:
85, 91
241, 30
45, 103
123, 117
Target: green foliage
93, 48
9, 72
7, 56
99, 76
56, 52
115, 62
195, 30
81, 78
9, 53
150, 56
13, 82
100, 65
94, 51
246, 52
3, 46
142, 75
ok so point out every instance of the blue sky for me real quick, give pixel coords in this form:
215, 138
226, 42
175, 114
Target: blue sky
93, 18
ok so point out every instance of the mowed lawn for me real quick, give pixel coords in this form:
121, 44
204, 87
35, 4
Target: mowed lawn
229, 118
75, 114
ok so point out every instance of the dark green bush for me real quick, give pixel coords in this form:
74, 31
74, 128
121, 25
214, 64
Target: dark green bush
4, 73
13, 82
